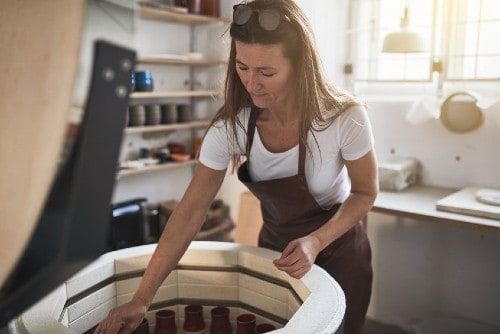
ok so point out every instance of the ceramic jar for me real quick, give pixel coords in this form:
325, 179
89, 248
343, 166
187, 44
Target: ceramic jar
137, 115
264, 328
184, 113
169, 113
153, 114
143, 81
193, 320
245, 324
194, 6
220, 321
165, 322
210, 8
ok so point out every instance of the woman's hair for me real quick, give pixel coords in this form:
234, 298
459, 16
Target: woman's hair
317, 103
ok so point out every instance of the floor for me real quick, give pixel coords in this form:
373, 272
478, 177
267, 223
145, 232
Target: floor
376, 327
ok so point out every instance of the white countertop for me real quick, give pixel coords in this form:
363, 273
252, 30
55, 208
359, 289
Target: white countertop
419, 202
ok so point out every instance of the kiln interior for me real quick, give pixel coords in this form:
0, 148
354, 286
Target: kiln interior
210, 274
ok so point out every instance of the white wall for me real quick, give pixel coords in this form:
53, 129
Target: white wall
102, 21
425, 269
448, 159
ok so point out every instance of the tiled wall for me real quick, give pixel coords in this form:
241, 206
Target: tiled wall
211, 274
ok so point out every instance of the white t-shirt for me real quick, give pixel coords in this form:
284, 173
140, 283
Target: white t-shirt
348, 138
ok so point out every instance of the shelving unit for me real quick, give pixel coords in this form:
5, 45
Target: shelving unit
139, 96
171, 16
167, 127
158, 14
180, 62
155, 168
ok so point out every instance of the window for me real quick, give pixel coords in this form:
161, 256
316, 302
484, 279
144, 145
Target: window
473, 44
461, 34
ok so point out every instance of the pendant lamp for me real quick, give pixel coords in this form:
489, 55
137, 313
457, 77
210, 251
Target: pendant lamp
403, 41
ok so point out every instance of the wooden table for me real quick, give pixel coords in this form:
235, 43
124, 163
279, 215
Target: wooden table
419, 202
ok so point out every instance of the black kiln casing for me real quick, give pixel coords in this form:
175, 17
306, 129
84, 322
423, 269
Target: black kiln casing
73, 228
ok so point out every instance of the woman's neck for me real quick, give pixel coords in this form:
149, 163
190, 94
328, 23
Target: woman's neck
281, 116
278, 130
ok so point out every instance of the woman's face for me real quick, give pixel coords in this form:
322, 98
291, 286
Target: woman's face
266, 74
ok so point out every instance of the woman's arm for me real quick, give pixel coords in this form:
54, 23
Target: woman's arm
183, 224
363, 174
300, 254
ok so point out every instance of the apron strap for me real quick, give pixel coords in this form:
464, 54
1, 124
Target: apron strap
252, 121
302, 160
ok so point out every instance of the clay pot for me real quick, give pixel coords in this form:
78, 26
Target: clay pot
169, 113
264, 328
184, 113
210, 8
165, 322
194, 6
153, 114
220, 321
245, 324
137, 115
193, 319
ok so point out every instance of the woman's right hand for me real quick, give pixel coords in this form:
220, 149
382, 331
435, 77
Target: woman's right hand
181, 228
123, 319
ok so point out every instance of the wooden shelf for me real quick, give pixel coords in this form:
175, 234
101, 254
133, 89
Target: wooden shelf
419, 202
180, 62
139, 96
155, 168
167, 127
158, 14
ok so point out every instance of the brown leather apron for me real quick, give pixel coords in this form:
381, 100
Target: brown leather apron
289, 212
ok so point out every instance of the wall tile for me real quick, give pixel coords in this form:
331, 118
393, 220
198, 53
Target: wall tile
122, 299
299, 287
127, 286
263, 302
88, 303
208, 291
125, 265
165, 293
261, 263
208, 277
263, 287
292, 305
91, 318
65, 318
96, 272
208, 257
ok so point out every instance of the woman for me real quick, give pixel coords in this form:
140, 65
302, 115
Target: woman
309, 160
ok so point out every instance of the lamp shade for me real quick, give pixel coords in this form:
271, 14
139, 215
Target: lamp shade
403, 42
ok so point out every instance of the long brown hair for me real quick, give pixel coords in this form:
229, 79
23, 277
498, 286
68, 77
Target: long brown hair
318, 103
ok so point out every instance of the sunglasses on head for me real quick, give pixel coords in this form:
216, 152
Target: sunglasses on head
269, 19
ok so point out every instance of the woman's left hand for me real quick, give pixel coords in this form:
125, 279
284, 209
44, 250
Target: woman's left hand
298, 256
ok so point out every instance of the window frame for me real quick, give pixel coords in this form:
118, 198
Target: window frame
438, 55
